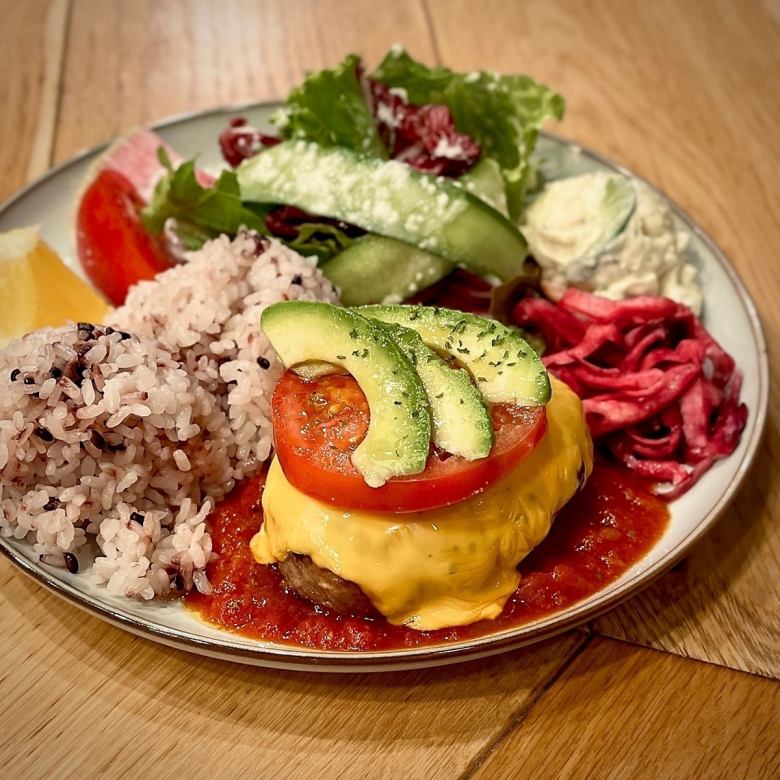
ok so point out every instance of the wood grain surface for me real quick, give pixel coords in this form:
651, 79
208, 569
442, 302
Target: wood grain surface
32, 35
139, 706
618, 712
165, 58
683, 92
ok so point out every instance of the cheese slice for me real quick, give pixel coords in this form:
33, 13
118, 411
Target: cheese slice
444, 567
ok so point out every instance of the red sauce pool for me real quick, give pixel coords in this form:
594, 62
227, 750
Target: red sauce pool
600, 533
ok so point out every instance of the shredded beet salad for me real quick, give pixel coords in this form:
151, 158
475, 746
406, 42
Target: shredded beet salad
659, 392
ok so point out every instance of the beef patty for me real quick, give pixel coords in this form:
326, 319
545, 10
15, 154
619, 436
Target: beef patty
323, 587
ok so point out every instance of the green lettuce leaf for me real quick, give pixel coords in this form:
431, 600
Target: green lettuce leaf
330, 109
319, 240
201, 213
502, 113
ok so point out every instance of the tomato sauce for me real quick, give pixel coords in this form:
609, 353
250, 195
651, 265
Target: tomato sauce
600, 533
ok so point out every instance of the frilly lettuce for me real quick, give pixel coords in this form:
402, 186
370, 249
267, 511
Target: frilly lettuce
502, 113
331, 109
201, 213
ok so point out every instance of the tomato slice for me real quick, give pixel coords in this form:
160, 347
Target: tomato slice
114, 248
319, 423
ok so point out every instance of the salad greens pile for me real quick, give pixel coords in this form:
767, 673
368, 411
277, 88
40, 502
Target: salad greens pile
490, 120
201, 213
330, 108
502, 113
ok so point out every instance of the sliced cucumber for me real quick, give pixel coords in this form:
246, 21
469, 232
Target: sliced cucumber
505, 367
377, 269
461, 421
389, 198
399, 432
486, 181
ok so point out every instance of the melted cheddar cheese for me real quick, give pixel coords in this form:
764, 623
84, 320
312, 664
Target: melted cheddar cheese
443, 567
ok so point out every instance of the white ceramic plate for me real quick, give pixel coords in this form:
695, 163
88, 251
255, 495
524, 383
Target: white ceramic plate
49, 202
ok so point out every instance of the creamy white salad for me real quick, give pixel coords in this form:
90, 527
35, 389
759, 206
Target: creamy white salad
610, 235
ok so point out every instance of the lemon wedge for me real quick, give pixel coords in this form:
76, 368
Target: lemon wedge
38, 290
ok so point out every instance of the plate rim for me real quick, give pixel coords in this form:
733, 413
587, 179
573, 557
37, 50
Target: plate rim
277, 655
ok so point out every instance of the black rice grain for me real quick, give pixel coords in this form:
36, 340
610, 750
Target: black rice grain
71, 563
43, 433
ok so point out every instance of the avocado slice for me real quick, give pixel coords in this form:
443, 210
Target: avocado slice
399, 432
388, 198
505, 367
461, 421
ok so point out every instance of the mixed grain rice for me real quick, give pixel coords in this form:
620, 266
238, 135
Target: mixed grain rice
128, 432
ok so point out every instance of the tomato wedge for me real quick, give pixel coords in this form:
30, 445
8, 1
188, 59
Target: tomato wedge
319, 423
114, 248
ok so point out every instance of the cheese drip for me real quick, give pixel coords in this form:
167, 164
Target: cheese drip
443, 567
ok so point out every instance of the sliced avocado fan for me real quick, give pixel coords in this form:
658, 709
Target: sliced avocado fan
461, 421
414, 396
504, 366
399, 433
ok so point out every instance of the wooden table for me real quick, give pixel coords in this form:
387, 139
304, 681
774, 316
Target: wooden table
686, 93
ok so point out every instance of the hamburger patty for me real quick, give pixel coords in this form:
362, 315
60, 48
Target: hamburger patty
323, 587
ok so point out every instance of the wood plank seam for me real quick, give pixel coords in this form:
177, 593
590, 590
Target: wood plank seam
55, 35
431, 31
681, 652
550, 688
623, 712
516, 719
61, 83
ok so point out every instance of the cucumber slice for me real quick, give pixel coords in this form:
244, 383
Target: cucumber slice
505, 367
399, 432
389, 198
486, 181
461, 421
377, 269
